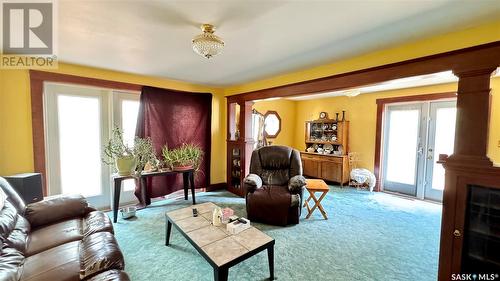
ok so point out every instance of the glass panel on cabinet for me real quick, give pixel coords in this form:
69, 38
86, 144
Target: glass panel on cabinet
481, 249
236, 168
234, 121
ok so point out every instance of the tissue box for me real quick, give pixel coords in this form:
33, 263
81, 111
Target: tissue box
226, 214
236, 227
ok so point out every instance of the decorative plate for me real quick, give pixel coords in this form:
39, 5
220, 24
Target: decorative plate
328, 147
323, 115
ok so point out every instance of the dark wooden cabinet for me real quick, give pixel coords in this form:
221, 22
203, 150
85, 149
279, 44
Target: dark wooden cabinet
328, 167
470, 234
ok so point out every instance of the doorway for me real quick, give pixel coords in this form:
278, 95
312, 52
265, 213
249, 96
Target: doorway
78, 121
414, 136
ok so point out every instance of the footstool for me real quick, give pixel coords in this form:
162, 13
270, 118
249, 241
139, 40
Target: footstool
313, 186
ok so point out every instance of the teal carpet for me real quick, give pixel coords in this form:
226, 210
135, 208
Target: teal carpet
368, 236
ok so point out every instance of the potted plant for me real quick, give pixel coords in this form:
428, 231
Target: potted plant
117, 153
128, 160
185, 157
145, 154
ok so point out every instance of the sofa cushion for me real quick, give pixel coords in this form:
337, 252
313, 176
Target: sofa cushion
43, 238
96, 221
8, 220
56, 209
19, 235
54, 235
99, 252
269, 204
58, 263
10, 262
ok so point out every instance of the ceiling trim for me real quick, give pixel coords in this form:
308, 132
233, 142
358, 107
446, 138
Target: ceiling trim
477, 56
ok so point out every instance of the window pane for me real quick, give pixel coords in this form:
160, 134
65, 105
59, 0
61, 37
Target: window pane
444, 142
130, 110
402, 145
79, 144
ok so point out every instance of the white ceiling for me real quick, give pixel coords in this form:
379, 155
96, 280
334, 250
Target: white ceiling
263, 38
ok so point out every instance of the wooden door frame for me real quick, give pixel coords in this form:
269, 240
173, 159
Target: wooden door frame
381, 106
37, 80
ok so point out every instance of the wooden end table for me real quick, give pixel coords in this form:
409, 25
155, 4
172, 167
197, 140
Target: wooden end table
145, 200
313, 186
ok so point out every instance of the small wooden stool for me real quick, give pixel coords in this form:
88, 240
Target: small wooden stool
313, 186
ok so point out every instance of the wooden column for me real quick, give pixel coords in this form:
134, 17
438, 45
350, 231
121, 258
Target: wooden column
473, 114
469, 163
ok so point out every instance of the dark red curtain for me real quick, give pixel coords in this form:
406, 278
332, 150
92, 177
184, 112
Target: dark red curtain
173, 118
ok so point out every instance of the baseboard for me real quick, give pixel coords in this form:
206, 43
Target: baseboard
216, 186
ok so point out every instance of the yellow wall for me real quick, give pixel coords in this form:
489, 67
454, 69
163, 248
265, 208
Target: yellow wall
16, 153
286, 111
361, 111
16, 146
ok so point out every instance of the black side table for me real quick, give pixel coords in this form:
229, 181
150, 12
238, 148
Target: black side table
187, 176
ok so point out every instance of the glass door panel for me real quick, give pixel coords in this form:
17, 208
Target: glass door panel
441, 141
402, 148
76, 128
125, 115
79, 145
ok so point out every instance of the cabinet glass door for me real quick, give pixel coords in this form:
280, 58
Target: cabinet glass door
481, 247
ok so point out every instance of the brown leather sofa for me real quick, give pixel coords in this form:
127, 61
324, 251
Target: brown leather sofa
61, 238
275, 186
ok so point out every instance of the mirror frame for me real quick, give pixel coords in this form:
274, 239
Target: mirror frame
272, 112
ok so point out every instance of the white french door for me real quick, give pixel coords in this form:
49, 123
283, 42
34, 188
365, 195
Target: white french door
414, 136
78, 121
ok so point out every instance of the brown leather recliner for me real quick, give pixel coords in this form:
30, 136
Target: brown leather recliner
61, 238
275, 186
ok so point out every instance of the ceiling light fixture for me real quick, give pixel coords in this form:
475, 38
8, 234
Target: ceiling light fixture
207, 44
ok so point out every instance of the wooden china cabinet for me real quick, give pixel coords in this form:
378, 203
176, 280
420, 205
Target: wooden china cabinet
326, 150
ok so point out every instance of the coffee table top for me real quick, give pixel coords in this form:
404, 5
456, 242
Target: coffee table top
218, 244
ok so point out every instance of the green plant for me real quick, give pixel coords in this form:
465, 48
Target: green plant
142, 151
185, 155
115, 148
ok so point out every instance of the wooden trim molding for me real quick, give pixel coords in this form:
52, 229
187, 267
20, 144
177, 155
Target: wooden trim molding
381, 103
37, 80
473, 57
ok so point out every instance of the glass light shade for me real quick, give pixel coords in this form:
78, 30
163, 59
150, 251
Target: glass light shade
207, 44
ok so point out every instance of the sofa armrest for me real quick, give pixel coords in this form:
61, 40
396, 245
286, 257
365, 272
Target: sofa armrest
296, 184
56, 209
252, 182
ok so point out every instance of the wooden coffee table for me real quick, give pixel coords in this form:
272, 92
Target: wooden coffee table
220, 248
